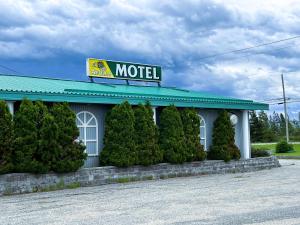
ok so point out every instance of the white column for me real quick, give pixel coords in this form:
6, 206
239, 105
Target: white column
246, 151
10, 105
154, 114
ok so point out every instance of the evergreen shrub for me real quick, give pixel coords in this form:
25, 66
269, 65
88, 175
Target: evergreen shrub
70, 153
6, 139
42, 163
119, 138
283, 147
26, 138
172, 139
191, 126
146, 136
48, 149
259, 153
223, 146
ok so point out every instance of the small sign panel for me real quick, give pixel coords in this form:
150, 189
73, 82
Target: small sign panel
122, 70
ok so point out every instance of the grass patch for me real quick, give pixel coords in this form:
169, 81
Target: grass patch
273, 147
129, 179
122, 180
73, 185
59, 186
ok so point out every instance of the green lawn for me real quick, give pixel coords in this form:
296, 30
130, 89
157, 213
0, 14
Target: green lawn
272, 147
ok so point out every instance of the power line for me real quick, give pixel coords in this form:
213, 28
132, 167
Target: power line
249, 54
281, 102
248, 48
10, 69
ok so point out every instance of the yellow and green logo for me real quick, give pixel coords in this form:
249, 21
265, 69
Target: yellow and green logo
122, 70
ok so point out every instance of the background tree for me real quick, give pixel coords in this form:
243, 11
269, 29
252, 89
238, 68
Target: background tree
70, 152
223, 146
191, 127
295, 135
282, 125
172, 140
256, 128
6, 139
275, 125
119, 139
146, 138
267, 135
26, 137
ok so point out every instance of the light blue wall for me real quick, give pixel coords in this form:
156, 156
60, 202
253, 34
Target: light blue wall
209, 116
99, 112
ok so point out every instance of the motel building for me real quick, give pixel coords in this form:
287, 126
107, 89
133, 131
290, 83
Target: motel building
91, 99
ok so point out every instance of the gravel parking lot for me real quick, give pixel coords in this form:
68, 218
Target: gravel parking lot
264, 197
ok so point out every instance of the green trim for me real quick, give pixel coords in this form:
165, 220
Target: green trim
55, 90
75, 98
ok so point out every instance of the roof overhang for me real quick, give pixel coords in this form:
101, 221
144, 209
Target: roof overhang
113, 98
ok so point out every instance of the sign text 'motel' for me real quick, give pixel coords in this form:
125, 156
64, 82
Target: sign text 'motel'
122, 70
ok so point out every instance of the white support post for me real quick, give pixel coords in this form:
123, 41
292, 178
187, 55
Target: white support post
154, 114
10, 105
246, 136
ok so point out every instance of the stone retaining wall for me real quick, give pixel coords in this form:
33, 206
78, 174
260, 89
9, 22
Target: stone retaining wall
288, 157
17, 183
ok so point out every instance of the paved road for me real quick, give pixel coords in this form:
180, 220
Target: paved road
264, 197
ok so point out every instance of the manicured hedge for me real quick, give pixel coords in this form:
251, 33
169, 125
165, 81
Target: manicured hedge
223, 146
191, 127
26, 138
119, 139
41, 140
71, 153
146, 136
6, 139
131, 137
172, 140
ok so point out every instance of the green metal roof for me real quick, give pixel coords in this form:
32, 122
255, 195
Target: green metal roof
14, 87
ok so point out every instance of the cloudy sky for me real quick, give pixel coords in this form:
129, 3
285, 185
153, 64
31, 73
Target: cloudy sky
53, 38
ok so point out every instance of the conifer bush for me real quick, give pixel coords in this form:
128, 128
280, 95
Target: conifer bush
6, 139
283, 147
119, 139
146, 138
48, 149
191, 126
71, 154
223, 146
26, 137
172, 139
42, 164
36, 135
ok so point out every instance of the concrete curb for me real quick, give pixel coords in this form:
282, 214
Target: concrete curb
288, 157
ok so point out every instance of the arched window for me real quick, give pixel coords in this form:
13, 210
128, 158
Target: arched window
88, 131
202, 132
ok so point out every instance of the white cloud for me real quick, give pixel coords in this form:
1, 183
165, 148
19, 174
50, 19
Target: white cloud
176, 35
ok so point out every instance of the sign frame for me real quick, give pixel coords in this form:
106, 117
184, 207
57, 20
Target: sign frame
105, 67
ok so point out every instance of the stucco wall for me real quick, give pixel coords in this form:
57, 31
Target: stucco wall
99, 112
210, 116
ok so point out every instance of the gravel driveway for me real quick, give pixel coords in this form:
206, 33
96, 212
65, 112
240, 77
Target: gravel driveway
264, 197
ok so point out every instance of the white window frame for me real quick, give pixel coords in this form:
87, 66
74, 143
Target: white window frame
85, 126
203, 126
